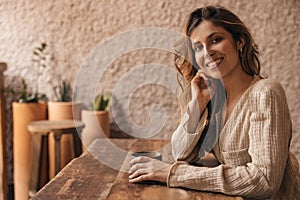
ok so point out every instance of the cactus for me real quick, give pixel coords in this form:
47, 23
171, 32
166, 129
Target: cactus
62, 92
102, 102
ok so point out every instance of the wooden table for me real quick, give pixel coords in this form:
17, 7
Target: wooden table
88, 178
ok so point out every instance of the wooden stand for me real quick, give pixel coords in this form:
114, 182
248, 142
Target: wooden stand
40, 131
62, 111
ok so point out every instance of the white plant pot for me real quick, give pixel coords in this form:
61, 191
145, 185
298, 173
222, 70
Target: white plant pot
96, 126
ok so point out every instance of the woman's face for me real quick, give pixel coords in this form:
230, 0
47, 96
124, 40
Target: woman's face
215, 50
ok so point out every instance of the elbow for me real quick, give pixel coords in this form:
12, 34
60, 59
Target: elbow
259, 192
272, 189
269, 192
264, 190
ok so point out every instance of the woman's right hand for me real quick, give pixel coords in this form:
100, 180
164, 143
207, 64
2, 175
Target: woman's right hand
203, 89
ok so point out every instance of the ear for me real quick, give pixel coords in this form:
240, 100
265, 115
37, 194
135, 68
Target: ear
241, 42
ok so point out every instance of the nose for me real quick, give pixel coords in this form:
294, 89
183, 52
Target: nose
208, 52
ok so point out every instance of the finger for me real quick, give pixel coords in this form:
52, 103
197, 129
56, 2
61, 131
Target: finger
201, 82
141, 178
202, 74
140, 159
134, 168
204, 81
137, 166
138, 172
200, 78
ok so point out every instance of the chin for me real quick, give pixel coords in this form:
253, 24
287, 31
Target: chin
216, 74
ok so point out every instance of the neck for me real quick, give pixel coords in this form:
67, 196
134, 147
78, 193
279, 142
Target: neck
236, 84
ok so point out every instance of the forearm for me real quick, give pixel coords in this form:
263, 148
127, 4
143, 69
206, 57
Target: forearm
246, 181
186, 136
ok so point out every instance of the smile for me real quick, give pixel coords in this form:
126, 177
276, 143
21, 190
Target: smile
214, 63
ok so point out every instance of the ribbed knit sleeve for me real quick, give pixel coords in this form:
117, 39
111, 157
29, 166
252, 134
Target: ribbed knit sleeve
257, 170
187, 134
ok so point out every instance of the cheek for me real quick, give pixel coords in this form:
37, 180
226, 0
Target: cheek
231, 51
234, 57
199, 59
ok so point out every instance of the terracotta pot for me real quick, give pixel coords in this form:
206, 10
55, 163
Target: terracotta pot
64, 110
59, 111
23, 114
96, 126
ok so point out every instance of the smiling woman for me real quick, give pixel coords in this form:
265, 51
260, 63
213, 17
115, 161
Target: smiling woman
229, 110
216, 52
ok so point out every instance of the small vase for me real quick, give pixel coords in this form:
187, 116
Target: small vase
96, 126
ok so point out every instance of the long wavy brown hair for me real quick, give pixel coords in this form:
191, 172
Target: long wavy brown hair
184, 54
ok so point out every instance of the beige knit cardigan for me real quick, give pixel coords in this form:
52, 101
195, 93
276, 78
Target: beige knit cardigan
252, 149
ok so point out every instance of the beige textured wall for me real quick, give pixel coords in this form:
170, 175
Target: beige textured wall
74, 28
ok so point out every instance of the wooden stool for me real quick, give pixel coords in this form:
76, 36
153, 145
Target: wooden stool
40, 130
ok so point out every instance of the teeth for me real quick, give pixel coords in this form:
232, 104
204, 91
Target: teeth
214, 63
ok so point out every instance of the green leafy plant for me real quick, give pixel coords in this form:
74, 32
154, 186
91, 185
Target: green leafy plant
40, 55
39, 61
63, 92
102, 101
23, 95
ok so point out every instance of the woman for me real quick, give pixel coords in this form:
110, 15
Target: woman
232, 111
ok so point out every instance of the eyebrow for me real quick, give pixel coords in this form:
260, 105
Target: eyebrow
208, 37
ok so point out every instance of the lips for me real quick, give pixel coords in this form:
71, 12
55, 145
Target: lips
214, 63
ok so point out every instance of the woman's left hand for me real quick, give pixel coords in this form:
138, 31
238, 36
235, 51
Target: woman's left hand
145, 168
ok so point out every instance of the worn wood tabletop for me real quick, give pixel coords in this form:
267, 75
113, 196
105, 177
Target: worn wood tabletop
101, 173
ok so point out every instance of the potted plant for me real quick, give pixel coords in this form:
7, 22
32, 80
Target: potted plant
96, 120
60, 109
63, 107
27, 106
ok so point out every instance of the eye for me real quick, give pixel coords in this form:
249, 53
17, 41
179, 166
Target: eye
197, 47
216, 40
